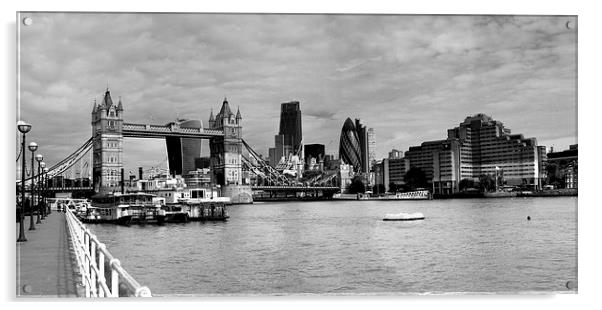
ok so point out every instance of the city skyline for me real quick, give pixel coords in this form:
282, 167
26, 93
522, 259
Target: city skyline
408, 77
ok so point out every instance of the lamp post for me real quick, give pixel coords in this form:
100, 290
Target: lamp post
39, 159
43, 192
48, 209
42, 195
32, 147
23, 128
496, 170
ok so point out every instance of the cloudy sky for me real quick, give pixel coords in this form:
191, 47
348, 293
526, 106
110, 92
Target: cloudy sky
409, 77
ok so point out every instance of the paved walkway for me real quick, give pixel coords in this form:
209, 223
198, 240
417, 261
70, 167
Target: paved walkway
45, 263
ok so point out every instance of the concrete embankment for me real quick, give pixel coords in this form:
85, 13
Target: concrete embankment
550, 193
546, 193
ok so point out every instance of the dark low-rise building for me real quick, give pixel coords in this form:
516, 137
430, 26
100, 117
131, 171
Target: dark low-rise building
565, 165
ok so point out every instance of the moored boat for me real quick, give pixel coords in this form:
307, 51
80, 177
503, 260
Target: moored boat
118, 215
147, 214
123, 209
175, 214
206, 210
413, 195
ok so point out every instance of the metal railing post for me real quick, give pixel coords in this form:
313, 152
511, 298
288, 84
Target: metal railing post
101, 270
114, 277
87, 261
93, 275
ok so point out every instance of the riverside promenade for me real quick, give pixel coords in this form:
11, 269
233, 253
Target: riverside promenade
45, 262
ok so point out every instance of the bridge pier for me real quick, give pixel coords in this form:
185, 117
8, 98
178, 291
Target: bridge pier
239, 194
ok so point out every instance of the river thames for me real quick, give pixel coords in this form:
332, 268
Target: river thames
344, 247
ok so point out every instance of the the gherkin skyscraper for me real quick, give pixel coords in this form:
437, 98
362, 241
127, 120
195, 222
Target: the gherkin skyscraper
349, 146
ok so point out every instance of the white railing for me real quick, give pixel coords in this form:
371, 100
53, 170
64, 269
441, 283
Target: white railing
92, 255
191, 130
134, 126
213, 131
159, 128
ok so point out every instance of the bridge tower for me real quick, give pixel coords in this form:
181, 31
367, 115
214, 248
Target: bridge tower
107, 144
226, 154
226, 151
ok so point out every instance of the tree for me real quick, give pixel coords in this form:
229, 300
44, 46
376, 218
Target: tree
415, 178
357, 186
466, 184
555, 175
486, 183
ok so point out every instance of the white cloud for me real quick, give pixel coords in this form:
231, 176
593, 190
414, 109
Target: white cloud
409, 77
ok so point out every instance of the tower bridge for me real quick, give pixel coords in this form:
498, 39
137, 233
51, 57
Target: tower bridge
224, 133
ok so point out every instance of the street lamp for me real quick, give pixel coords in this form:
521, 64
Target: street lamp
32, 147
39, 159
496, 171
47, 211
43, 190
23, 128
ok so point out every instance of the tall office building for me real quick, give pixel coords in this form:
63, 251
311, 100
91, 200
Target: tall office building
182, 152
202, 162
362, 135
290, 135
349, 146
487, 144
371, 147
279, 151
290, 124
354, 146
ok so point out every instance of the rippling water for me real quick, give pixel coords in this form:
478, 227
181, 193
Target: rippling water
463, 245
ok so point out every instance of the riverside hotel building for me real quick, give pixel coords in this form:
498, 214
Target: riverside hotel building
475, 148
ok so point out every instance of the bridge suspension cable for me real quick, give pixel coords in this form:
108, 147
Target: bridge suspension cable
258, 171
67, 162
70, 160
273, 176
263, 169
85, 147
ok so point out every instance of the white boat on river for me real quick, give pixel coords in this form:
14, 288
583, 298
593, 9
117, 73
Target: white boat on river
404, 217
123, 209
